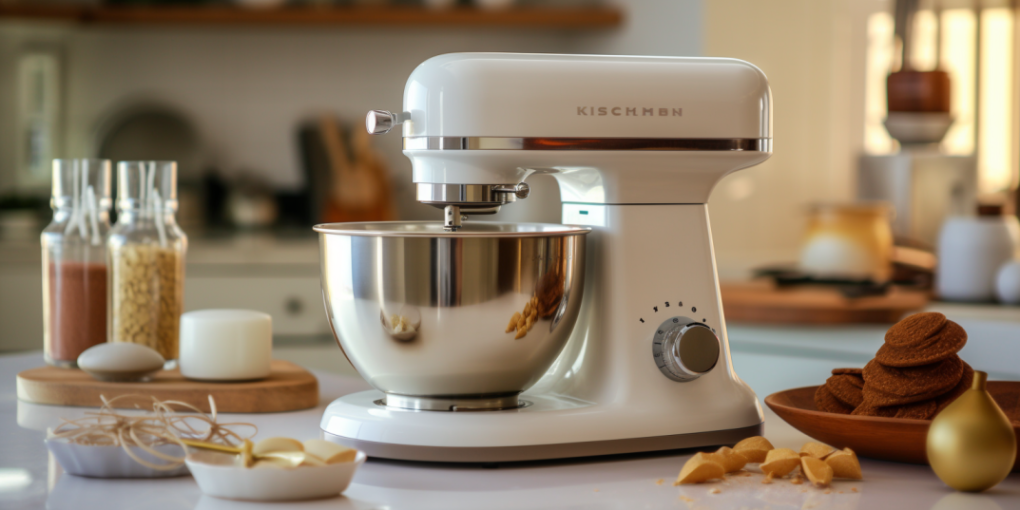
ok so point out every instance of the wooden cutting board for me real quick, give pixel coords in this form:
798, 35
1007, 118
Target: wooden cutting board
764, 302
288, 388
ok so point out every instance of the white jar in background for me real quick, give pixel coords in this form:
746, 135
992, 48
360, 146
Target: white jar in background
226, 345
1007, 283
971, 250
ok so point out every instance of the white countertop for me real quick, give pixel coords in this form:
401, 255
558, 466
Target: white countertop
30, 479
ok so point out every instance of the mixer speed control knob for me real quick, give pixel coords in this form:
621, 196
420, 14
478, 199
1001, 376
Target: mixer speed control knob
685, 350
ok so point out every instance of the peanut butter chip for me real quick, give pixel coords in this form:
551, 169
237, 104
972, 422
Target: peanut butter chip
844, 464
731, 460
700, 468
816, 470
780, 462
816, 450
754, 449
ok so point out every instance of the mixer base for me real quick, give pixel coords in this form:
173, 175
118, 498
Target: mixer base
546, 451
552, 427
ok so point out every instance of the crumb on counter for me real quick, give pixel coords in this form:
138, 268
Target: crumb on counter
659, 481
715, 490
685, 499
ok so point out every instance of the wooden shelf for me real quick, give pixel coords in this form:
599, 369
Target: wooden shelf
395, 16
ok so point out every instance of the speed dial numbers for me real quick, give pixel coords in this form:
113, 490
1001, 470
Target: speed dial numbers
684, 349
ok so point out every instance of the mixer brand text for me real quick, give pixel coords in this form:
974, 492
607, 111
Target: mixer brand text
623, 111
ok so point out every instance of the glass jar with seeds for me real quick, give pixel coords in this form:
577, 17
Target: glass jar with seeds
146, 258
74, 270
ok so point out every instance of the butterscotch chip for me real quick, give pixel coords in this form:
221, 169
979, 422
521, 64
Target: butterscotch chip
816, 450
731, 461
911, 351
935, 378
825, 401
754, 449
817, 471
513, 322
780, 462
700, 468
847, 388
521, 331
844, 464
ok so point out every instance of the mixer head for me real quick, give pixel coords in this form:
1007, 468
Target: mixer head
610, 129
456, 200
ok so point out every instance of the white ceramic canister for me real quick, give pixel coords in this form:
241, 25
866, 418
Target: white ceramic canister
971, 250
1007, 283
226, 345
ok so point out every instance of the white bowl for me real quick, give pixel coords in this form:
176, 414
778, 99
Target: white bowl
111, 461
218, 475
918, 127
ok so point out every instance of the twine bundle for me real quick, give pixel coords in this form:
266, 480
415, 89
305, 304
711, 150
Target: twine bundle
164, 426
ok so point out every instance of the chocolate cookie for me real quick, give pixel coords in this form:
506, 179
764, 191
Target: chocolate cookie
936, 378
919, 325
825, 401
847, 371
923, 410
941, 343
965, 382
847, 389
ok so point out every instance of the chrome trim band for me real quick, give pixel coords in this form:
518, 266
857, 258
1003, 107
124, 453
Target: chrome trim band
475, 143
433, 229
468, 195
452, 404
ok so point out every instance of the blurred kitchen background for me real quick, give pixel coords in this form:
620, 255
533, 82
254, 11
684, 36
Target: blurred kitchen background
262, 104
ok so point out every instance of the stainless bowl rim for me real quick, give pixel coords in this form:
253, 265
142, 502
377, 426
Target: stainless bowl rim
473, 229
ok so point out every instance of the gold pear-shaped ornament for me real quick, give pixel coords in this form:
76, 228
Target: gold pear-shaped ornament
971, 444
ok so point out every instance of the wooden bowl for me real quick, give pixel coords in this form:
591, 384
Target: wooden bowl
894, 439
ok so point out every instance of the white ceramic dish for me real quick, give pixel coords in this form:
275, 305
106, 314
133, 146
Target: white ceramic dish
110, 461
218, 475
918, 127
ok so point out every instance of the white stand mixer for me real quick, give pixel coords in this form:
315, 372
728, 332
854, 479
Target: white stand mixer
636, 144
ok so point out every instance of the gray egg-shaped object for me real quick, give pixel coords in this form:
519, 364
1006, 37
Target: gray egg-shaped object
120, 361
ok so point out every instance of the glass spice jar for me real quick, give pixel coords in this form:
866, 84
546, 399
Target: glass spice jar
146, 258
74, 273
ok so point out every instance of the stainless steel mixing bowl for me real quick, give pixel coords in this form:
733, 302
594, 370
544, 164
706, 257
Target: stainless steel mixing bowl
424, 314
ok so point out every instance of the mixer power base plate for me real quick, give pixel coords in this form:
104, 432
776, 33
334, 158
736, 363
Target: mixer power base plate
552, 427
469, 454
